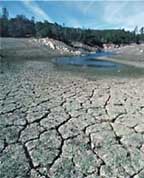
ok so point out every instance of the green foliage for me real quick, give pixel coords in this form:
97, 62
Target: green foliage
20, 26
4, 23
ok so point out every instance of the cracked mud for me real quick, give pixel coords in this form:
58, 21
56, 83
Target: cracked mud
56, 126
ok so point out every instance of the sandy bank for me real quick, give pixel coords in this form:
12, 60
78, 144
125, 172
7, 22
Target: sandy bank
126, 62
130, 55
41, 47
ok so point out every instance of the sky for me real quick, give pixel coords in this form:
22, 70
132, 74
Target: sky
100, 14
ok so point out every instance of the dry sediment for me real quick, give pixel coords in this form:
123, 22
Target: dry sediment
54, 126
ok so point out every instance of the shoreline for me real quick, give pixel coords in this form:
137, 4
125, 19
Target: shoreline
120, 61
132, 55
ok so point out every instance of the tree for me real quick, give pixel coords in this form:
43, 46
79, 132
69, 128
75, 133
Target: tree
5, 13
21, 27
4, 23
142, 30
141, 35
136, 30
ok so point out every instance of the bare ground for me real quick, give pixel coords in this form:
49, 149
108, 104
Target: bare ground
58, 125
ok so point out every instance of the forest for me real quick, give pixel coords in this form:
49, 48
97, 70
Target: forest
21, 26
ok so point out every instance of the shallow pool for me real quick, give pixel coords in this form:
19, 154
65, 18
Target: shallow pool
89, 61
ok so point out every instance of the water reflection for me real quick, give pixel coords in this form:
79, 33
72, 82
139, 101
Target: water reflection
87, 66
89, 61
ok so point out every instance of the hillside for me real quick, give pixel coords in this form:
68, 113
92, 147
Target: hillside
22, 27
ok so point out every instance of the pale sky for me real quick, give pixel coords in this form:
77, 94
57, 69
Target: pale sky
98, 14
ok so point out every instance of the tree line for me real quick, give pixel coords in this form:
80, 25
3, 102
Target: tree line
21, 26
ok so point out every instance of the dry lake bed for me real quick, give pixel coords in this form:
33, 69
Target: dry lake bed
61, 124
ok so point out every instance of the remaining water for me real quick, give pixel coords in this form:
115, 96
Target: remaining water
86, 66
89, 61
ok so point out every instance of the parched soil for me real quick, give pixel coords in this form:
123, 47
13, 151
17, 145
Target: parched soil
55, 125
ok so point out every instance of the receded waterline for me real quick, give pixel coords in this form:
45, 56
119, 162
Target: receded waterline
89, 61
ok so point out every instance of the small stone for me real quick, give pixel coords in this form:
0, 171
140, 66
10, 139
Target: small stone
140, 128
